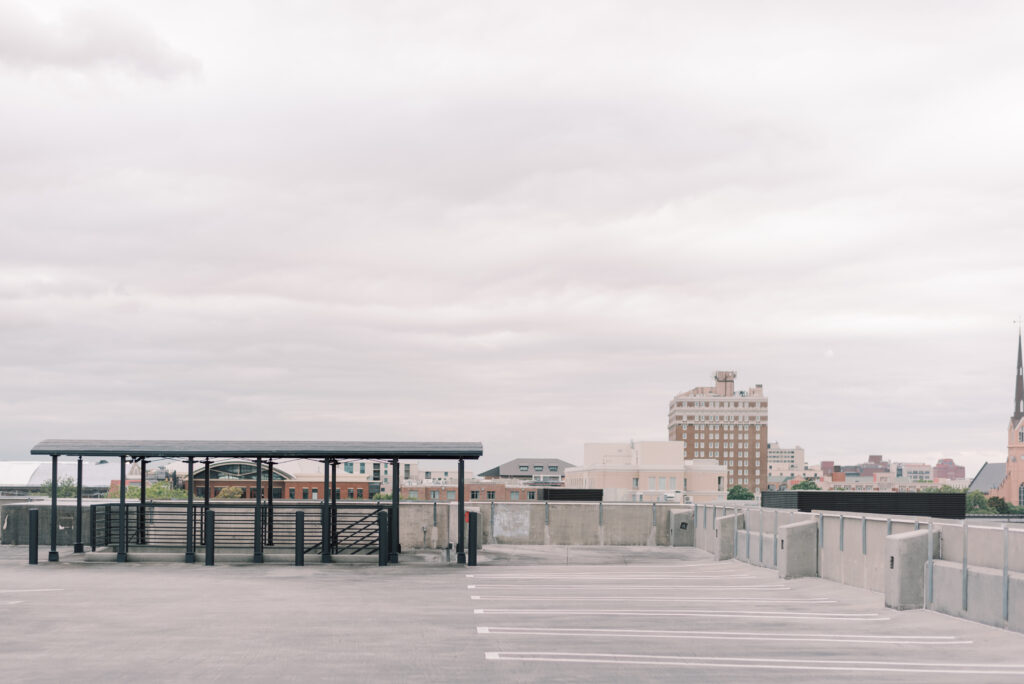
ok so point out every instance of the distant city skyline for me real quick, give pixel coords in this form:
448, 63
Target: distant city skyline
526, 225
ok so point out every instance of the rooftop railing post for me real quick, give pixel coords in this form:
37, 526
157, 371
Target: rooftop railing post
395, 519
211, 519
300, 528
963, 588
325, 523
1006, 572
190, 515
92, 527
79, 548
257, 520
140, 527
122, 520
33, 536
54, 556
206, 487
931, 564
460, 549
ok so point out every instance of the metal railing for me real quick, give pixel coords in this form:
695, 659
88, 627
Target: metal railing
354, 527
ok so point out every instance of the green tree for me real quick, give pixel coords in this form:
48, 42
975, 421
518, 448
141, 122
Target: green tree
67, 487
155, 491
977, 503
806, 484
999, 505
230, 493
739, 492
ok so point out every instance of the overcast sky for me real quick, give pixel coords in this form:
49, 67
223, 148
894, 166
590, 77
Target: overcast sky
528, 224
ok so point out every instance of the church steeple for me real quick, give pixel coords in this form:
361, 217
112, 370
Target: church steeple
1018, 397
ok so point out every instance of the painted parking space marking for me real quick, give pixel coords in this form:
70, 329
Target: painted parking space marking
801, 637
831, 665
602, 587
660, 599
724, 614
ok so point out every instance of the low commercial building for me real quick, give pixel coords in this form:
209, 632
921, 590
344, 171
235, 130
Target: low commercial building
648, 471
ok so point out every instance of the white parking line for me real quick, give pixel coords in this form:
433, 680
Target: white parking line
852, 666
677, 599
725, 614
767, 588
15, 591
802, 637
605, 577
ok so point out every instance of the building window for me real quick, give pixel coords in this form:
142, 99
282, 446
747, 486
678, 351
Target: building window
291, 492
524, 469
672, 483
408, 470
514, 496
661, 483
433, 494
539, 469
450, 495
359, 493
414, 493
351, 493
362, 468
475, 494
531, 495
650, 483
1020, 496
316, 493
490, 494
636, 483
553, 469
305, 492
347, 466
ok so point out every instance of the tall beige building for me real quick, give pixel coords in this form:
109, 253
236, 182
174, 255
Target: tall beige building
725, 425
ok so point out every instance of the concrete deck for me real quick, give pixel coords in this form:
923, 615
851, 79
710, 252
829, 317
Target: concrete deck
524, 614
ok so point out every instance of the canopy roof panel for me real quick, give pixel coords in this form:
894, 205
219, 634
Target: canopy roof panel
253, 449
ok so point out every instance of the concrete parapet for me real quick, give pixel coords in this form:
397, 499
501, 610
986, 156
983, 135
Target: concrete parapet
726, 527
798, 550
984, 594
683, 529
906, 560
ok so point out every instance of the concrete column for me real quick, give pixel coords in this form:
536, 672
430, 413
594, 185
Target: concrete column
725, 533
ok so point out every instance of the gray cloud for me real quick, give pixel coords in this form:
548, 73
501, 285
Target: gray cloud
85, 39
531, 229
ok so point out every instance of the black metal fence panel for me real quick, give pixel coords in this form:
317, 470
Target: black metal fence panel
560, 494
929, 504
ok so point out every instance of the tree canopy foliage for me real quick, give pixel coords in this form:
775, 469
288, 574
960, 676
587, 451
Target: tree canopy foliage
806, 484
739, 492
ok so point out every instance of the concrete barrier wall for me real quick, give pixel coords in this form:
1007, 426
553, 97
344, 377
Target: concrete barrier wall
14, 522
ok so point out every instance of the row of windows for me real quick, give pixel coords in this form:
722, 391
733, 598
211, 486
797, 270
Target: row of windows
537, 468
723, 404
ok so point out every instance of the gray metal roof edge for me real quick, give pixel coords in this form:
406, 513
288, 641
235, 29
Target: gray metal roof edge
238, 448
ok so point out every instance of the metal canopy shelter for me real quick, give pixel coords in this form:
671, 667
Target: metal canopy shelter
188, 450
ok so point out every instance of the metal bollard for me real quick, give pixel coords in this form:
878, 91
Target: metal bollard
210, 518
300, 542
473, 524
383, 541
33, 536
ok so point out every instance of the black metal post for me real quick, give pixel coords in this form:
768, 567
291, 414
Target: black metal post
79, 548
395, 496
140, 532
33, 536
300, 528
206, 486
210, 520
334, 505
474, 521
53, 512
382, 537
257, 542
92, 527
270, 503
122, 521
190, 515
460, 550
325, 525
